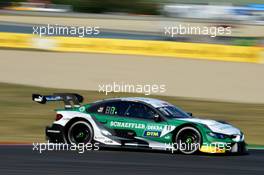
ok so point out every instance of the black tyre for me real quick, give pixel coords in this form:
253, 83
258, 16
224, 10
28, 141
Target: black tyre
80, 132
188, 140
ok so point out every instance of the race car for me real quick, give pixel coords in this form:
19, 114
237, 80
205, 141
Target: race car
138, 122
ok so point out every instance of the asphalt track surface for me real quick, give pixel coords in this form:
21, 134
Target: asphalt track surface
23, 160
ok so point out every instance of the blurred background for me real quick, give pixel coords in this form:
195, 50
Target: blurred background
245, 17
214, 77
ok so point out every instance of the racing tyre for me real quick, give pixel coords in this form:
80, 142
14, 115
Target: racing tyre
80, 132
188, 140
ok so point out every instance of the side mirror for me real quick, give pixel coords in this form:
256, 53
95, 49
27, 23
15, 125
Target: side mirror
157, 118
190, 114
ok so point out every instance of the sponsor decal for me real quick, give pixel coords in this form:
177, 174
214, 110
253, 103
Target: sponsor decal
82, 109
167, 137
151, 133
100, 110
154, 127
38, 99
149, 130
53, 98
128, 125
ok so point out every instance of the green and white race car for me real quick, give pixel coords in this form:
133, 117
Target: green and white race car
139, 123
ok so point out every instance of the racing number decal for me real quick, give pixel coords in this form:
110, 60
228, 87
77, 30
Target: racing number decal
110, 110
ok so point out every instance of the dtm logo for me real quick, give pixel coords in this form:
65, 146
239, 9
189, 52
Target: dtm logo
152, 133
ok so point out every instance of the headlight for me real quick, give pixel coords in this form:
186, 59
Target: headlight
238, 138
217, 135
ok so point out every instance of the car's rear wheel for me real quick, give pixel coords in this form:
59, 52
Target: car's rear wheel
188, 140
80, 132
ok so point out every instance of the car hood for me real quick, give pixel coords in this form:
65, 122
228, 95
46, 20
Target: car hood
216, 126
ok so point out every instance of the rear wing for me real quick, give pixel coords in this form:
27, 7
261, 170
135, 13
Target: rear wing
70, 99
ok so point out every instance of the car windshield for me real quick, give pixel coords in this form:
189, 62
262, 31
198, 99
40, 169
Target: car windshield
173, 112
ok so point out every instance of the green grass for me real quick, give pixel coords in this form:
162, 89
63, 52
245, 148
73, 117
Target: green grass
22, 120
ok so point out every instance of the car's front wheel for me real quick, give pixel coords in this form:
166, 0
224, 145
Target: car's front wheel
80, 132
188, 140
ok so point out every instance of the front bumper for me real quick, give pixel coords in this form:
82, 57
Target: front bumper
55, 134
239, 147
